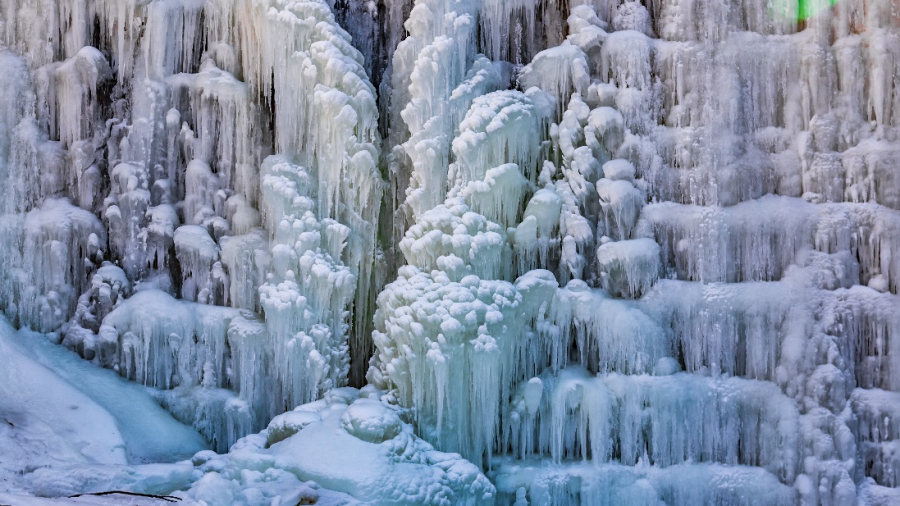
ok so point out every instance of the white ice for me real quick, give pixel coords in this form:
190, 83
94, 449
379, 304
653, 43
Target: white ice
581, 252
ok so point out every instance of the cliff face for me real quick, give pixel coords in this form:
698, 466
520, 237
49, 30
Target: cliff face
608, 252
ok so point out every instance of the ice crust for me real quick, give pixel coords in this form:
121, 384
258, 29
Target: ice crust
579, 253
60, 411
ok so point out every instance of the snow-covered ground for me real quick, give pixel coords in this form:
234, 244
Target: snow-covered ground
60, 412
72, 428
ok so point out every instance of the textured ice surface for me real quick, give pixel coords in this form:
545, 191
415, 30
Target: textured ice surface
379, 461
59, 411
595, 252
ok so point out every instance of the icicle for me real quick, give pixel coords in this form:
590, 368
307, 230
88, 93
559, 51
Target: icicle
628, 268
432, 333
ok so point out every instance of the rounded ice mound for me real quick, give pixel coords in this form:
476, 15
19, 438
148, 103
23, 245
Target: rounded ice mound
666, 366
619, 169
343, 395
372, 421
633, 16
287, 424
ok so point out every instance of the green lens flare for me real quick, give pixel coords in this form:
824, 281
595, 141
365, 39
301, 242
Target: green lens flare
800, 10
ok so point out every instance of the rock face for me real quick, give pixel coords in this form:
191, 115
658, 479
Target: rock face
614, 252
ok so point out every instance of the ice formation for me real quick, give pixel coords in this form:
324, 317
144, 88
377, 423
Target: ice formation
451, 251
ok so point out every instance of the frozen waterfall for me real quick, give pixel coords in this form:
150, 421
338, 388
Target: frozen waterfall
625, 252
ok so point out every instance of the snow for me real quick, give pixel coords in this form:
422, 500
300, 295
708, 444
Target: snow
619, 169
500, 127
149, 432
107, 500
154, 479
287, 424
47, 421
409, 472
371, 421
559, 71
62, 414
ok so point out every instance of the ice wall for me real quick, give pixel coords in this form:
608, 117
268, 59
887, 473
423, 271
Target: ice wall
611, 251
173, 147
692, 265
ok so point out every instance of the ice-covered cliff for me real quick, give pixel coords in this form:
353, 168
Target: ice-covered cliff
452, 251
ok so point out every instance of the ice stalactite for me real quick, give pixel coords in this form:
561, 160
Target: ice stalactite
472, 338
644, 418
575, 483
768, 245
307, 289
156, 138
461, 261
190, 346
630, 267
769, 300
52, 251
427, 66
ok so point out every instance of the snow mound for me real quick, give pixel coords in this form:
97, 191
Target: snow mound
371, 420
361, 449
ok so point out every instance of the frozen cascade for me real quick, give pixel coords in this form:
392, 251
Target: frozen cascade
622, 251
658, 168
152, 141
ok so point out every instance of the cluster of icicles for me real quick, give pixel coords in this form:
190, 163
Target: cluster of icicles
613, 244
